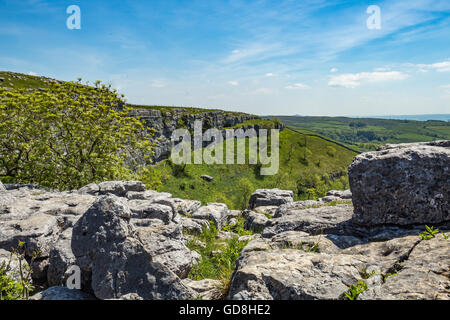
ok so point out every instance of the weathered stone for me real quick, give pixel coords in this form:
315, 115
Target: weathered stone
2, 187
62, 293
206, 289
386, 253
207, 178
329, 199
270, 197
266, 210
294, 275
91, 188
326, 219
60, 260
147, 195
166, 245
423, 275
343, 194
402, 185
106, 245
298, 205
215, 212
194, 226
120, 188
146, 209
302, 241
180, 206
255, 222
38, 232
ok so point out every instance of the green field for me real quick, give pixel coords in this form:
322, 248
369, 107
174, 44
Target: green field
364, 134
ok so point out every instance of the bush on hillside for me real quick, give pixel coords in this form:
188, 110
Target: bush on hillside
69, 135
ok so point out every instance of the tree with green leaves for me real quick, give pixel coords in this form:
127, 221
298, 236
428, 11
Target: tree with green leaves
69, 135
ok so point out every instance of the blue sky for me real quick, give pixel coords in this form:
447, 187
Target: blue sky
263, 57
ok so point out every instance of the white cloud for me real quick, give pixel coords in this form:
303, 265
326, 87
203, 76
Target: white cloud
31, 73
353, 80
233, 83
333, 70
297, 86
269, 74
443, 66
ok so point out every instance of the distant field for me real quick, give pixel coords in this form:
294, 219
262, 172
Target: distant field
364, 134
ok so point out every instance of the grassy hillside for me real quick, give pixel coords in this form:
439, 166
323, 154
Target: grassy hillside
13, 80
309, 166
365, 134
22, 81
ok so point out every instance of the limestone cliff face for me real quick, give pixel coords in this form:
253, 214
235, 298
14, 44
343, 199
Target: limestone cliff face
166, 122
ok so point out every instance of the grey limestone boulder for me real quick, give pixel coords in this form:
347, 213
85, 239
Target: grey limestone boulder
106, 247
402, 185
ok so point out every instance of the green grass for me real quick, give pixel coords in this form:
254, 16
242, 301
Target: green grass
219, 266
21, 81
262, 123
365, 134
309, 166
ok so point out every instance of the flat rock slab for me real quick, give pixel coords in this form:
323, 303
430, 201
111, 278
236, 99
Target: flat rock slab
424, 275
294, 275
326, 219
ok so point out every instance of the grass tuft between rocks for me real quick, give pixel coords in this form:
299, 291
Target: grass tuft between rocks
218, 256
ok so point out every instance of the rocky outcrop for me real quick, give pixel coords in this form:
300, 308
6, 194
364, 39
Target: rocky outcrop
133, 234
402, 185
165, 122
130, 243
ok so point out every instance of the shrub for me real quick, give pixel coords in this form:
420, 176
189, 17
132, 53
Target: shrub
10, 288
69, 135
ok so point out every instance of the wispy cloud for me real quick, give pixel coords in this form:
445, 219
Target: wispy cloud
353, 80
297, 86
233, 83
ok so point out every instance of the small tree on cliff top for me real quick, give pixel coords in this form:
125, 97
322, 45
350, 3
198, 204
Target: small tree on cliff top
69, 135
